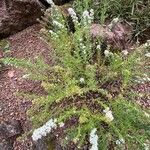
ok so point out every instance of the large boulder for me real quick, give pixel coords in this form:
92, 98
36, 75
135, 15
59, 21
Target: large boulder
16, 15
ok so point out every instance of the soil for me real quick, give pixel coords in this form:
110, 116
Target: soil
25, 44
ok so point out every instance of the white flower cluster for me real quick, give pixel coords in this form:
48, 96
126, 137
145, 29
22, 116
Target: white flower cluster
108, 114
93, 140
73, 15
146, 114
50, 2
44, 130
83, 47
120, 141
125, 52
58, 24
53, 34
98, 47
107, 53
147, 55
143, 79
88, 16
146, 146
147, 44
82, 80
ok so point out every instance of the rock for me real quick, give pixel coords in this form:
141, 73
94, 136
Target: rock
6, 145
16, 15
40, 145
10, 130
46, 143
117, 37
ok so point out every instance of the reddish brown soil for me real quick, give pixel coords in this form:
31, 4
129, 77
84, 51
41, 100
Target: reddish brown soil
25, 44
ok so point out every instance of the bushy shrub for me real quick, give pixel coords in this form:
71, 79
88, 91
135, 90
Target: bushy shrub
79, 99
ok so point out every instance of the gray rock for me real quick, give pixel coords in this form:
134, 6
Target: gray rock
46, 143
6, 145
40, 145
10, 129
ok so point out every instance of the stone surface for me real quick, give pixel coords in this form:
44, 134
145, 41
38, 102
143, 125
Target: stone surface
9, 131
117, 37
16, 15
40, 145
6, 145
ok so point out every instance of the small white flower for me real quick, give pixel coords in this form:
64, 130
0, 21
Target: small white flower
91, 12
106, 110
146, 146
84, 51
44, 130
115, 20
50, 2
120, 141
108, 114
107, 53
82, 80
25, 76
61, 124
75, 140
82, 46
66, 138
85, 14
125, 52
98, 47
147, 55
58, 24
53, 34
80, 39
146, 45
146, 114
146, 79
93, 140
